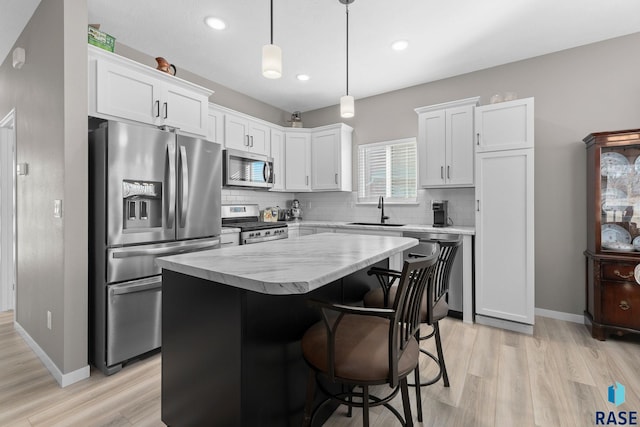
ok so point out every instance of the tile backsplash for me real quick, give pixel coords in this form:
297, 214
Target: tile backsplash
342, 206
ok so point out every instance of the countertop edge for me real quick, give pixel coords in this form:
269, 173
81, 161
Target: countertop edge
175, 264
411, 228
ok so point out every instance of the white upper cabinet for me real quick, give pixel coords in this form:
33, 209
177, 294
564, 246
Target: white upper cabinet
505, 125
331, 158
215, 131
122, 89
297, 160
277, 153
242, 133
446, 144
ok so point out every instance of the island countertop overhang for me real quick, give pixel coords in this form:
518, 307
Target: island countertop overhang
288, 266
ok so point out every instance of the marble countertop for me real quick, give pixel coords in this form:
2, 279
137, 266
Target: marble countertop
288, 266
411, 228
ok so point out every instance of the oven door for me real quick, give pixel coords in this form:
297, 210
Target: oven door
241, 169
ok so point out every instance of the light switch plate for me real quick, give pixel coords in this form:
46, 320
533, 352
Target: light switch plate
22, 168
57, 208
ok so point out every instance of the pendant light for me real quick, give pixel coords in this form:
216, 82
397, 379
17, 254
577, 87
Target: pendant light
347, 107
271, 56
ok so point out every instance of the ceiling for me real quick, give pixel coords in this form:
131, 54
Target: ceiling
446, 38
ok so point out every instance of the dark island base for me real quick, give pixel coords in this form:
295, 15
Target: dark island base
232, 357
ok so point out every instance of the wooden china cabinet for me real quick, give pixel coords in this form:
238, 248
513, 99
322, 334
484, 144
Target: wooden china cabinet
613, 233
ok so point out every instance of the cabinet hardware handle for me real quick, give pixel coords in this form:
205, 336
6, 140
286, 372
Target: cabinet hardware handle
441, 172
306, 180
448, 172
157, 108
478, 205
246, 142
336, 178
227, 243
623, 276
624, 305
478, 138
166, 110
252, 140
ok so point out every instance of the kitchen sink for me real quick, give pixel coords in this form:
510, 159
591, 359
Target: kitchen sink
376, 223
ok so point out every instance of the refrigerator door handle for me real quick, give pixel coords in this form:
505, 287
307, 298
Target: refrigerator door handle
167, 251
184, 184
171, 194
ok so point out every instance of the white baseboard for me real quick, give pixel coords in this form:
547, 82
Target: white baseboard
62, 379
569, 317
505, 324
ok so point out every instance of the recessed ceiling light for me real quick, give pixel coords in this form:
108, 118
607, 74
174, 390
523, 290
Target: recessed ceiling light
215, 23
400, 45
303, 77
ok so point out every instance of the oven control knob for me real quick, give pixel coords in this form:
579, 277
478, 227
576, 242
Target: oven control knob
250, 234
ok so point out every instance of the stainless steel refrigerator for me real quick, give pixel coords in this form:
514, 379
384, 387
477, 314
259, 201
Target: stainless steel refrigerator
152, 193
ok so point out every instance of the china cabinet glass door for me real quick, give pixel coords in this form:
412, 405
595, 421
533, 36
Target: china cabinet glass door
620, 198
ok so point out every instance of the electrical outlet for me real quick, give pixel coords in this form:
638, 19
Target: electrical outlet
48, 320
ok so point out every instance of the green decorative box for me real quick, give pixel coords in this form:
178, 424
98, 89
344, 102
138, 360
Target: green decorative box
102, 40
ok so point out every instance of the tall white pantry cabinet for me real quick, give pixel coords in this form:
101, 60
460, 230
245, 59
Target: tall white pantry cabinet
504, 240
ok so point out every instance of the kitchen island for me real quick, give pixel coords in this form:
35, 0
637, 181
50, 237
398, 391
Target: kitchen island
232, 320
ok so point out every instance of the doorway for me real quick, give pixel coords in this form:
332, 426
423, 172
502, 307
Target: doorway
7, 212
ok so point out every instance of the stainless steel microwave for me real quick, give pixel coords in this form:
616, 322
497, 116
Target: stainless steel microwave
242, 169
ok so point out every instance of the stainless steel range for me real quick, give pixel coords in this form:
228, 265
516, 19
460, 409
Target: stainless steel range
246, 218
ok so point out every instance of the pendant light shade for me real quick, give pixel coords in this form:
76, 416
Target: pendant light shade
271, 56
347, 104
271, 61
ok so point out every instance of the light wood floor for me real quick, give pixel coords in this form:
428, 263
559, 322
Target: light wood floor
557, 377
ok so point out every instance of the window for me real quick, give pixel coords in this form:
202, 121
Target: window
387, 169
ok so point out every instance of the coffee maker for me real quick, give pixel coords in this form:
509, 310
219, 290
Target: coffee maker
440, 213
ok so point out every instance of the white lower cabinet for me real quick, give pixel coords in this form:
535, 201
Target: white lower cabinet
229, 239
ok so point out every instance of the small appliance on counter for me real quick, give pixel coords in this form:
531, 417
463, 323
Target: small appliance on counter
296, 212
270, 214
440, 213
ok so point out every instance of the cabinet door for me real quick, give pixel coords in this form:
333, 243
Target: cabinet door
185, 110
459, 147
431, 148
504, 235
297, 161
215, 130
505, 126
259, 138
236, 132
277, 153
325, 160
127, 93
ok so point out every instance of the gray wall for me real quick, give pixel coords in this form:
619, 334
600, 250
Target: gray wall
50, 97
577, 91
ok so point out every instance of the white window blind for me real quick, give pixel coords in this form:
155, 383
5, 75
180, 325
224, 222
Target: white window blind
387, 169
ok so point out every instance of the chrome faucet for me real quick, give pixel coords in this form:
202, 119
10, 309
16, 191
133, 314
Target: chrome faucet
381, 207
